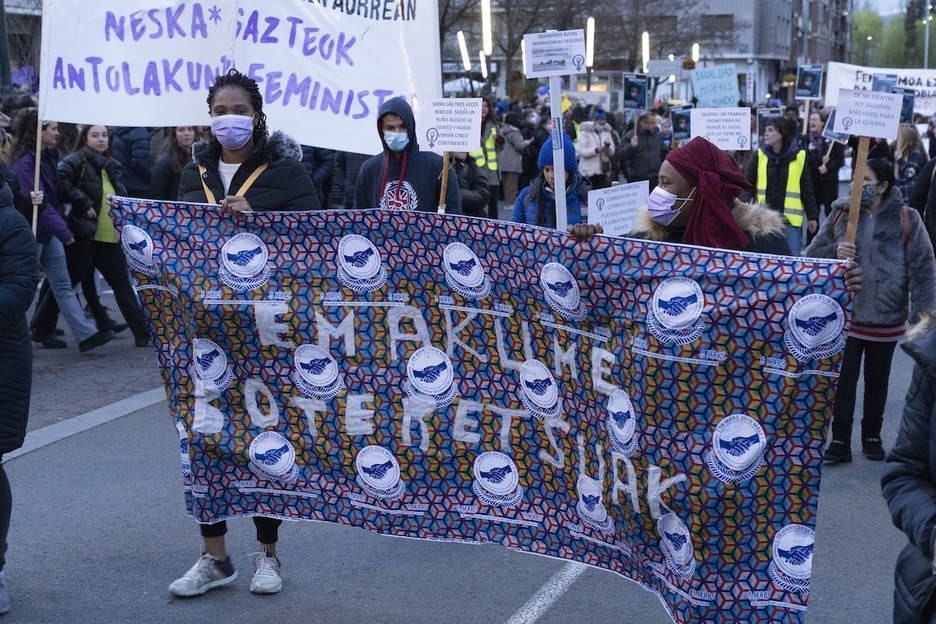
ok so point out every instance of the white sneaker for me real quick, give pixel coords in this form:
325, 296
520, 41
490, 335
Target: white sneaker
204, 575
266, 578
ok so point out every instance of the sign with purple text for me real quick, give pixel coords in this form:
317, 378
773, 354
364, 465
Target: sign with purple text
655, 410
323, 68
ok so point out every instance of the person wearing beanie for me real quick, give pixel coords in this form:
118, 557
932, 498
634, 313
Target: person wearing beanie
536, 204
596, 147
782, 180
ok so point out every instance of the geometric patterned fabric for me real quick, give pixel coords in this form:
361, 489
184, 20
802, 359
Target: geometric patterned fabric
654, 410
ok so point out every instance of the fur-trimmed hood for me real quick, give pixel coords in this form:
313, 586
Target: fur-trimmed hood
756, 220
278, 148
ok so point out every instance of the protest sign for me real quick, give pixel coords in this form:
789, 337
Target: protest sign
838, 137
715, 86
809, 82
906, 107
921, 81
450, 125
682, 122
150, 62
728, 128
615, 403
635, 91
868, 113
884, 83
554, 53
765, 114
615, 207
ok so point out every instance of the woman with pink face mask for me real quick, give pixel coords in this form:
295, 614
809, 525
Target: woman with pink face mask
244, 167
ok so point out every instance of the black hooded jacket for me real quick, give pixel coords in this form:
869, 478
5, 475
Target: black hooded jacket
422, 178
284, 185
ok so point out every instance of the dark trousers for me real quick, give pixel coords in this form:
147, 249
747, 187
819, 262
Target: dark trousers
83, 256
494, 202
267, 529
877, 365
600, 181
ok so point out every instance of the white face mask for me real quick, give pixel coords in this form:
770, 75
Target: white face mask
660, 205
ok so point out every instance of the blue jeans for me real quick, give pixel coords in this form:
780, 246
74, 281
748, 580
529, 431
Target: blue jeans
794, 238
52, 260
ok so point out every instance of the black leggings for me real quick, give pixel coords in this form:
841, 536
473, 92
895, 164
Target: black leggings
6, 504
267, 529
877, 366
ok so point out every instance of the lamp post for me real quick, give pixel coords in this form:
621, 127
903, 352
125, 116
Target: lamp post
484, 70
645, 49
466, 60
926, 22
589, 50
487, 42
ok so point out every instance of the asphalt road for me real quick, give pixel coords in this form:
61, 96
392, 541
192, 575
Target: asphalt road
99, 531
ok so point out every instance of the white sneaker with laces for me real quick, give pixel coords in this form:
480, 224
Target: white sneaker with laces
266, 578
204, 575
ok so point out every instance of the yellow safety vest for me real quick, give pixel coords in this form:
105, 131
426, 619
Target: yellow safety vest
487, 155
792, 199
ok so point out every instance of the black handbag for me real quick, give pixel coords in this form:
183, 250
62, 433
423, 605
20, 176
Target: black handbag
82, 227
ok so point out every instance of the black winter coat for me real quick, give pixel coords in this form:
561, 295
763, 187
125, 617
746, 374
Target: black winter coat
19, 275
474, 187
284, 185
909, 484
164, 183
82, 185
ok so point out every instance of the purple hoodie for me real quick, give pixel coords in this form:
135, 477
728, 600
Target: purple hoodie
51, 212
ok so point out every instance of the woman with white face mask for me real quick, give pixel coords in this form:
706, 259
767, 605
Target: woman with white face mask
222, 171
894, 248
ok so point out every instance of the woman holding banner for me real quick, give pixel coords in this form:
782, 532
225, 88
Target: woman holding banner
896, 252
243, 168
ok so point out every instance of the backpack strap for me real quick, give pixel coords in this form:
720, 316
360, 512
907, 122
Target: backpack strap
208, 194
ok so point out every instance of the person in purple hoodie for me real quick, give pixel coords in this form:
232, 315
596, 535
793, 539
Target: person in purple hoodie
402, 177
53, 234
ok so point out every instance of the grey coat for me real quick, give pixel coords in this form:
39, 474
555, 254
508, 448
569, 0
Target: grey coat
894, 269
511, 156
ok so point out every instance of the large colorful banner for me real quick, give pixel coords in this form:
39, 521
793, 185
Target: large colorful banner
921, 81
324, 67
654, 410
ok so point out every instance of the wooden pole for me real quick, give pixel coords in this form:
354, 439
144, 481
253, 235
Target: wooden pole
35, 220
854, 208
828, 152
446, 159
806, 119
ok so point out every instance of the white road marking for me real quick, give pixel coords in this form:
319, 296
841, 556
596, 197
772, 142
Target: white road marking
548, 594
67, 428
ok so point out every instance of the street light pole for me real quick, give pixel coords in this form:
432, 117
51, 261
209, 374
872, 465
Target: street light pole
926, 22
589, 50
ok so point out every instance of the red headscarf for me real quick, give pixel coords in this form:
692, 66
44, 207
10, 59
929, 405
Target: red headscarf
718, 182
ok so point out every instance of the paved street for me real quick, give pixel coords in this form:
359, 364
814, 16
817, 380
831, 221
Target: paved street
99, 531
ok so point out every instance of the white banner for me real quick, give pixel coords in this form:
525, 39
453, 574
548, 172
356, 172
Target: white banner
324, 68
921, 81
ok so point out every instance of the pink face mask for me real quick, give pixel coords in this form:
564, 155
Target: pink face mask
660, 205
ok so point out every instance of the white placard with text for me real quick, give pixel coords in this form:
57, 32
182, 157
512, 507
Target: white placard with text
555, 53
728, 128
868, 113
449, 125
615, 208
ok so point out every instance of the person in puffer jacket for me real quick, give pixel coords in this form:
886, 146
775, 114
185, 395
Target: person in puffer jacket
536, 204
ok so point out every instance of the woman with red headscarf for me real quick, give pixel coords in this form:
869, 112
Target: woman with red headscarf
696, 202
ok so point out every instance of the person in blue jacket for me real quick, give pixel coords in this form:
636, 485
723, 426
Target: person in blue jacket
536, 204
402, 177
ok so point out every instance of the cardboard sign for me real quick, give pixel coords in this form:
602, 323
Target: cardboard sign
682, 122
556, 53
450, 125
615, 208
838, 137
808, 82
635, 91
716, 86
728, 128
906, 108
868, 113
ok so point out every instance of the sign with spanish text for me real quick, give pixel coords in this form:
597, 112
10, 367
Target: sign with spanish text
554, 53
868, 113
449, 125
715, 86
459, 379
728, 128
323, 68
615, 207
921, 81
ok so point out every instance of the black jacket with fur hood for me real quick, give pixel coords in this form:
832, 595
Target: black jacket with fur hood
764, 227
284, 185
